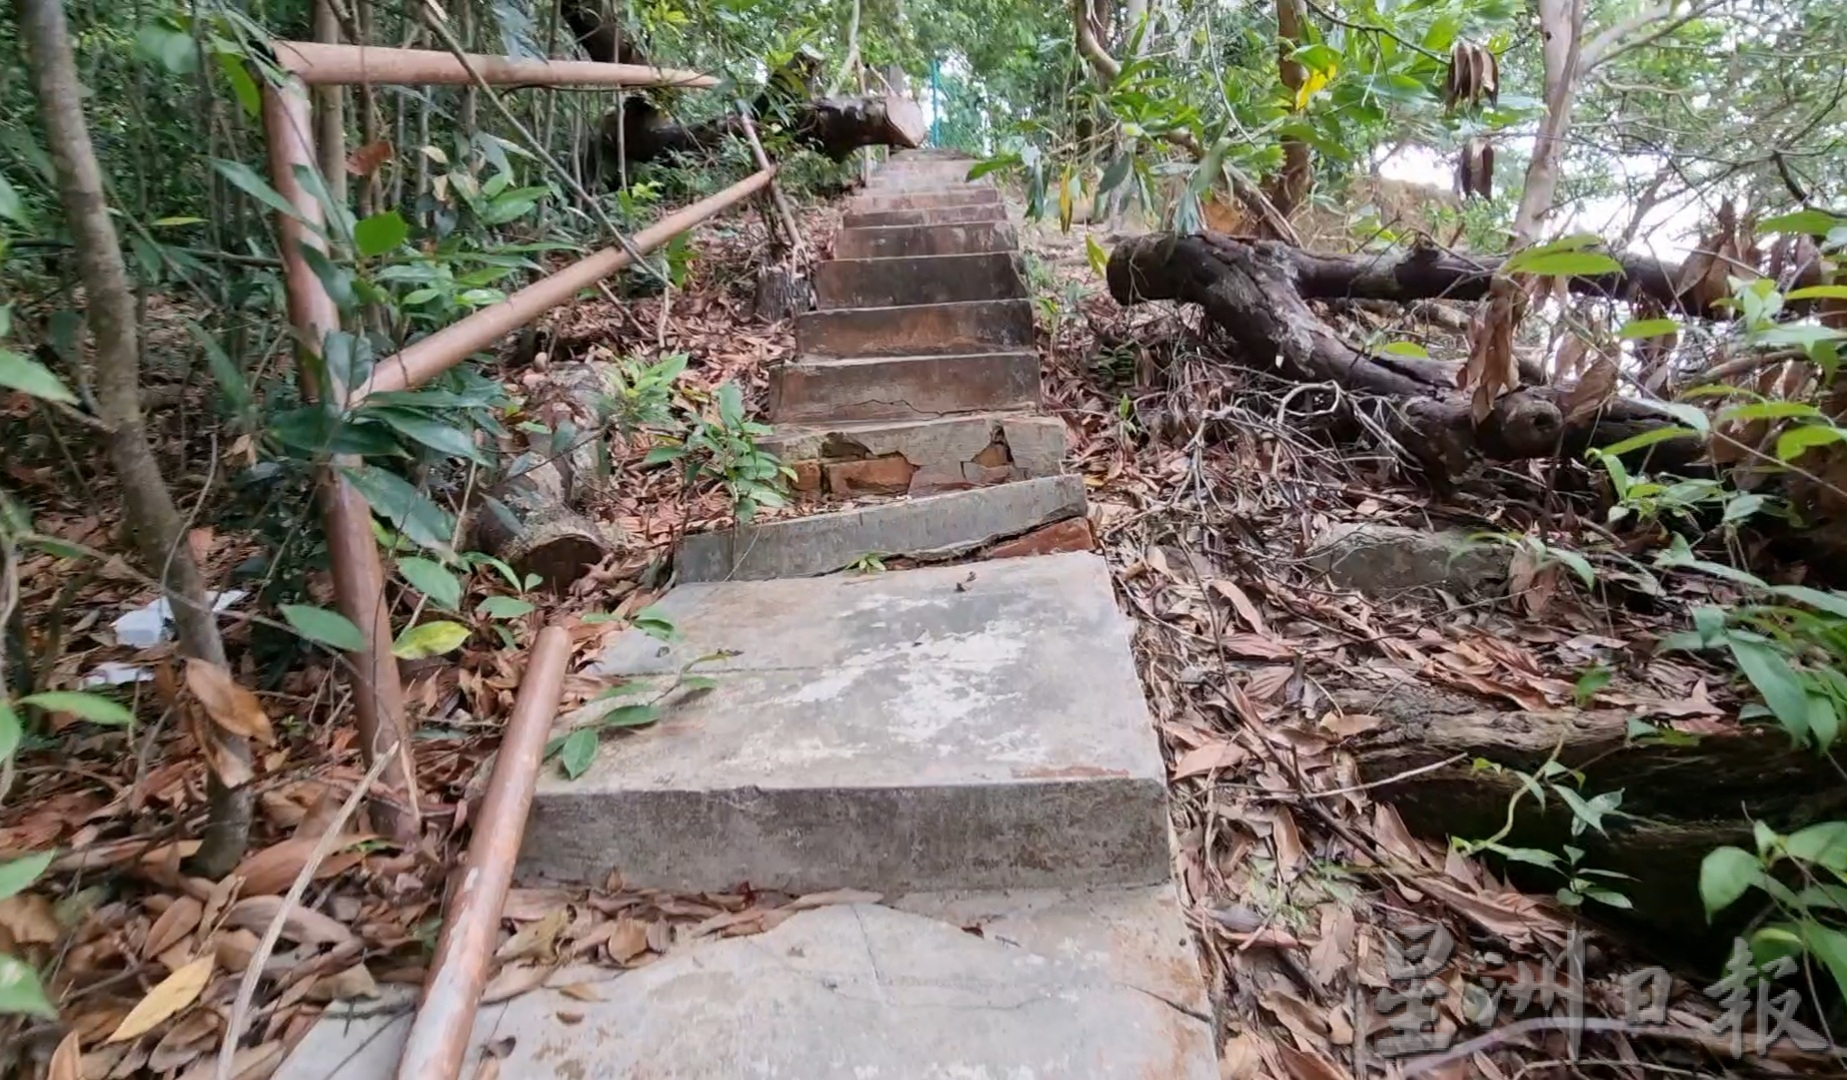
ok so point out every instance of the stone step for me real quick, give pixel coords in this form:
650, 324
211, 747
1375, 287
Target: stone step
910, 241
1086, 984
902, 387
915, 329
922, 200
930, 528
941, 215
937, 279
919, 457
977, 726
923, 178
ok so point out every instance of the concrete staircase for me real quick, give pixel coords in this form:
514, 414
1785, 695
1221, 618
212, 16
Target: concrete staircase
968, 740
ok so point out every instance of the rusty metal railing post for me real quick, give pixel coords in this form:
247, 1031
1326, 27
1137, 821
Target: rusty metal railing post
471, 920
359, 578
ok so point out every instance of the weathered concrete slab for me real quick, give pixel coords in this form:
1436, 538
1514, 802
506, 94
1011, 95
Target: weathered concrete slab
967, 326
942, 215
877, 202
902, 388
918, 178
1385, 560
900, 731
910, 241
1025, 446
942, 279
838, 993
933, 527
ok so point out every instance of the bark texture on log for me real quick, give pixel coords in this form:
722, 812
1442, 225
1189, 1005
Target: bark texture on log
1257, 291
533, 517
1679, 802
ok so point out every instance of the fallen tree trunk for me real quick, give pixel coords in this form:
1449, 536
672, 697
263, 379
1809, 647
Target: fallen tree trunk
1257, 291
1679, 801
639, 131
533, 517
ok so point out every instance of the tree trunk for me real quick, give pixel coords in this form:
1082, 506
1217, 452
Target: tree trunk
330, 112
1257, 291
159, 532
1679, 802
1561, 24
1289, 188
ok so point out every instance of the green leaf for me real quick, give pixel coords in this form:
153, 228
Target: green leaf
1645, 439
1829, 946
1594, 679
28, 376
323, 627
1578, 564
578, 752
1813, 222
16, 875
1608, 896
12, 207
20, 991
433, 580
1691, 415
172, 50
10, 731
1817, 292
629, 716
1117, 172
225, 373
1768, 410
380, 233
730, 405
1099, 259
1724, 875
1561, 263
1647, 328
1824, 844
1834, 603
429, 639
427, 524
246, 180
1797, 441
505, 607
231, 66
694, 684
92, 707
1406, 348
444, 438
1781, 687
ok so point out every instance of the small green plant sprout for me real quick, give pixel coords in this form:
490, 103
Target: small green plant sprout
1804, 877
869, 563
21, 992
1554, 780
576, 752
723, 450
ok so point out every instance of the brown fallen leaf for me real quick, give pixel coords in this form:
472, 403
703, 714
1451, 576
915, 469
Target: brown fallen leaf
180, 919
232, 707
365, 160
270, 871
1302, 1065
1347, 725
514, 980
234, 948
185, 1041
536, 940
303, 926
1212, 757
250, 1063
1290, 855
1240, 603
66, 1060
627, 941
167, 998
580, 992
1592, 392
1260, 647
353, 982
1241, 1058
30, 919
833, 896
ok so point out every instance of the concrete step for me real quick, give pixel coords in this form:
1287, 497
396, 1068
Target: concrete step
941, 215
919, 457
916, 329
910, 241
924, 178
922, 200
902, 387
977, 726
1098, 984
938, 279
930, 528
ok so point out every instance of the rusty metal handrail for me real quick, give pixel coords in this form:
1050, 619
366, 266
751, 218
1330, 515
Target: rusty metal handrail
438, 1039
322, 64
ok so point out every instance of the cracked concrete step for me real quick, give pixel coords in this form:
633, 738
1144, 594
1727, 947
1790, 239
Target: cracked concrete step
937, 279
919, 456
907, 241
941, 215
862, 389
1096, 984
922, 200
977, 726
932, 527
965, 326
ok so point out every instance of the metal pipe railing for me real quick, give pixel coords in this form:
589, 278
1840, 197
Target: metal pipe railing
321, 64
422, 361
438, 1039
359, 578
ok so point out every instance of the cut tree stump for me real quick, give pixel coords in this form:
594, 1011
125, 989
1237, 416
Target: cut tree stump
1257, 291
